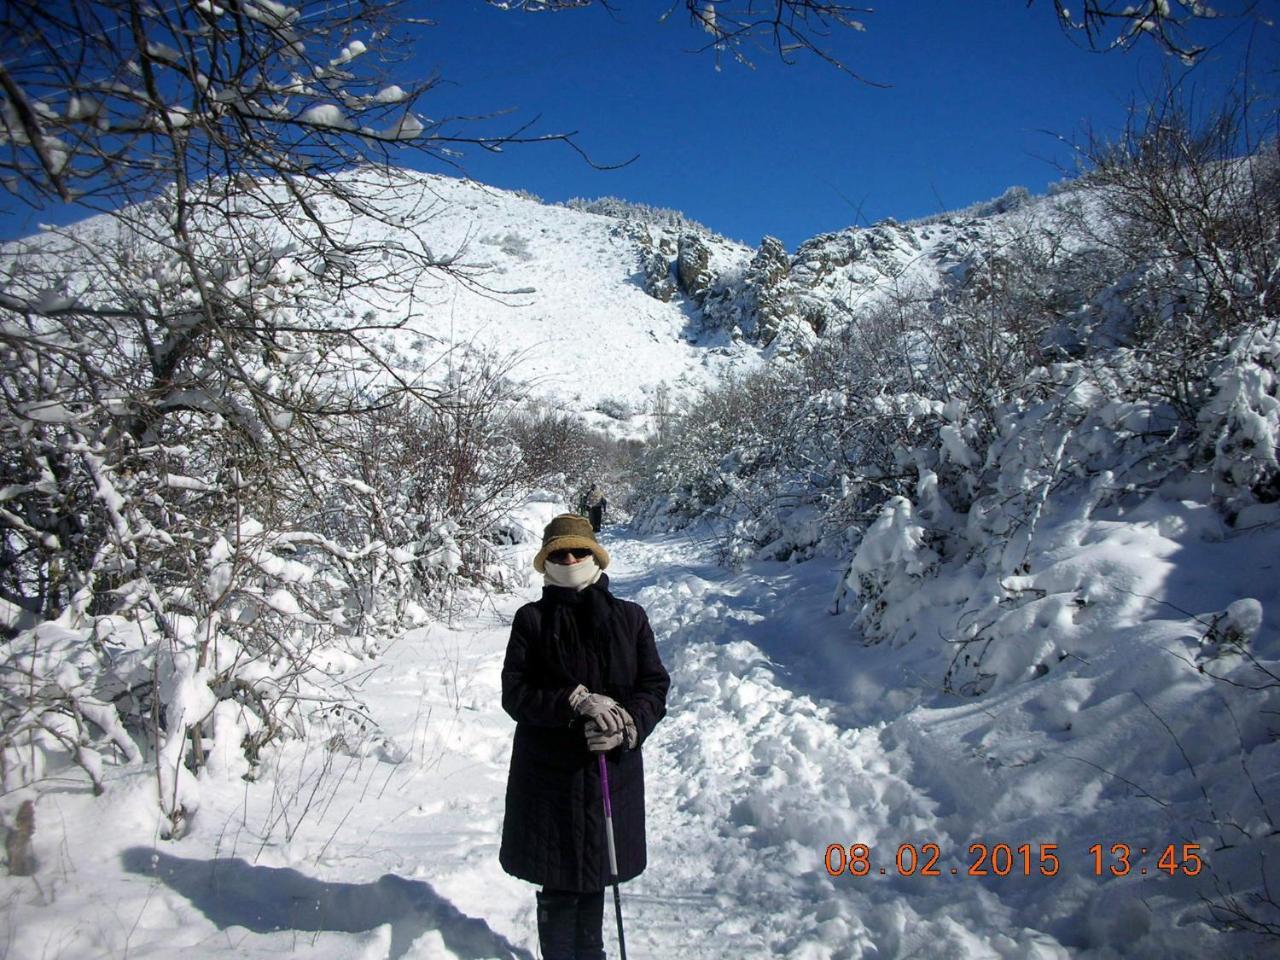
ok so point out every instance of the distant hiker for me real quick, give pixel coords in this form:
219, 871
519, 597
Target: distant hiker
592, 505
581, 676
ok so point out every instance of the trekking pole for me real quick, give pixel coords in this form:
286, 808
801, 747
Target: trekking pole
613, 852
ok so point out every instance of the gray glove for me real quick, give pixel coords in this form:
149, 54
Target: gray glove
596, 706
598, 741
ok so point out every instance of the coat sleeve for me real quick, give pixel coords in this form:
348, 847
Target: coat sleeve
523, 699
648, 704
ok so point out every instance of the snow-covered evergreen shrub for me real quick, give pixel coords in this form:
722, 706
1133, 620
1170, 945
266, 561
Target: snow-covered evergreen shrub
642, 212
892, 558
1240, 422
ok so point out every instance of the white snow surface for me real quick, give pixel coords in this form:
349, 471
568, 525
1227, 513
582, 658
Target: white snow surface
560, 292
784, 736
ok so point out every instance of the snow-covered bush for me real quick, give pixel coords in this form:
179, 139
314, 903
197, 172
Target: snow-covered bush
560, 453
640, 212
1232, 632
513, 244
415, 490
181, 585
216, 484
1071, 357
779, 460
1240, 423
214, 492
722, 438
893, 557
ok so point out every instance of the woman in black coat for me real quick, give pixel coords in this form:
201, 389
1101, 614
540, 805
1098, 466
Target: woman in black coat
581, 677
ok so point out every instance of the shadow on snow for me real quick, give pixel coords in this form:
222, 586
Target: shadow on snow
234, 893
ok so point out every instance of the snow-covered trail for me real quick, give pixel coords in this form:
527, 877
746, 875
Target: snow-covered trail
750, 778
783, 736
753, 775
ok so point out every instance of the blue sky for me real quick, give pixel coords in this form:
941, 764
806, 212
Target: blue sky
981, 91
982, 95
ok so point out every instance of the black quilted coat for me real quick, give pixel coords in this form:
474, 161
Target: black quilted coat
553, 831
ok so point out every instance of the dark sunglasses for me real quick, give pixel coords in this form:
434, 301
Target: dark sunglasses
560, 556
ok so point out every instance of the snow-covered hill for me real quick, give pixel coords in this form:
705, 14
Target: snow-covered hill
556, 293
561, 293
593, 312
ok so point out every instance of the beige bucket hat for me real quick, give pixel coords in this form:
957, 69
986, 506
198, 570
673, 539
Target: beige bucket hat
566, 532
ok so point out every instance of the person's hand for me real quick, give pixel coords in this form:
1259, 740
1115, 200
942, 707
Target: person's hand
597, 707
628, 728
598, 741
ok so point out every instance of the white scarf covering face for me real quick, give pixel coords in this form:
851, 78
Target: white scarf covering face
576, 576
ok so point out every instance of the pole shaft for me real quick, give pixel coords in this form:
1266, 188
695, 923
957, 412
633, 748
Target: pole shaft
613, 852
617, 909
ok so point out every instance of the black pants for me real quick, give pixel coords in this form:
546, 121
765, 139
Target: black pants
596, 514
569, 925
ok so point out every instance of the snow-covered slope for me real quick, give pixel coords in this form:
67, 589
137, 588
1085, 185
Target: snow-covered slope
593, 312
561, 292
557, 294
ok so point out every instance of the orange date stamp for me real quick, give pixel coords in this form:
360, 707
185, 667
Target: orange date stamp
1114, 859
